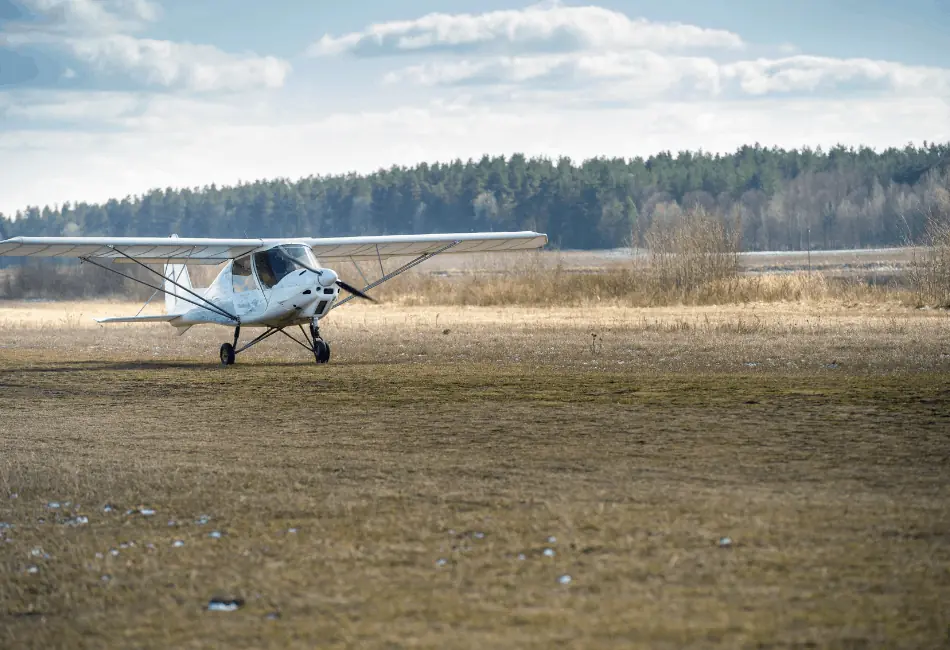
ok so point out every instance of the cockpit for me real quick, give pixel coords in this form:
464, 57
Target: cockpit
272, 266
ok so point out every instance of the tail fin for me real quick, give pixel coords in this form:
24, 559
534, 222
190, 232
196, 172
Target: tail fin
178, 273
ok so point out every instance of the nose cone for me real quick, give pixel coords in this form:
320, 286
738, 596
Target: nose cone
328, 278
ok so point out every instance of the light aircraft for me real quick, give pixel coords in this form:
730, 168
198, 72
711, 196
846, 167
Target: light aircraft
267, 283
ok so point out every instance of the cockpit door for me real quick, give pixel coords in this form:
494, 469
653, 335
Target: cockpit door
246, 287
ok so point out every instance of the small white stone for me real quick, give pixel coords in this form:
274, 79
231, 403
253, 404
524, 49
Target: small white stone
549, 552
564, 580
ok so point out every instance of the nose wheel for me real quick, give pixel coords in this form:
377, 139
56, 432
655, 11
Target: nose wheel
321, 349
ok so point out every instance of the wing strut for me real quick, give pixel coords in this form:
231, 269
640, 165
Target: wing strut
210, 304
402, 269
214, 307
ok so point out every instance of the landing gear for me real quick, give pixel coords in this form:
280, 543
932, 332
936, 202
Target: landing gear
227, 354
321, 349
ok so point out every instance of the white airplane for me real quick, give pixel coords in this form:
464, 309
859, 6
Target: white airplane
267, 283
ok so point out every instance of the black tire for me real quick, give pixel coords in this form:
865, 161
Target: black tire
227, 354
321, 351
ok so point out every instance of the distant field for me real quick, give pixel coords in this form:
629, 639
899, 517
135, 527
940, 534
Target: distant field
745, 476
884, 258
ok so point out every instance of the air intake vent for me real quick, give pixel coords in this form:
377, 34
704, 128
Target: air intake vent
321, 306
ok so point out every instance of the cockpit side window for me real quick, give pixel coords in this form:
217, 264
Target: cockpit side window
242, 279
274, 265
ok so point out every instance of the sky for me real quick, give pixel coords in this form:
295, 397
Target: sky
102, 99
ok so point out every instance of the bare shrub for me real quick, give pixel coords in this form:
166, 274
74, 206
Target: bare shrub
692, 253
930, 268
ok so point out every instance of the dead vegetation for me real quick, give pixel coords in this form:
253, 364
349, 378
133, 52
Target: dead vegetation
930, 270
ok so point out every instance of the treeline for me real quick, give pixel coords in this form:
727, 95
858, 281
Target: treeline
783, 199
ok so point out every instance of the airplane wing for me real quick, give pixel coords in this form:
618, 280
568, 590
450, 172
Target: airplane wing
143, 249
214, 251
385, 246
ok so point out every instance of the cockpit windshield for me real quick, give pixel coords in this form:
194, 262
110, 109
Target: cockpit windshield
277, 263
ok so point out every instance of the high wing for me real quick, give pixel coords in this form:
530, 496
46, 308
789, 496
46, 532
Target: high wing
386, 246
143, 249
215, 251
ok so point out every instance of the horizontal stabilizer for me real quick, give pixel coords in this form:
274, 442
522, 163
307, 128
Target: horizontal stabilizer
158, 318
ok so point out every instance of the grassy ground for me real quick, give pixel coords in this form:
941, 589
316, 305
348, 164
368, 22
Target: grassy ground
404, 494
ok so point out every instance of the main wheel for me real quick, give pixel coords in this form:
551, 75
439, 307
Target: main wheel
227, 354
321, 351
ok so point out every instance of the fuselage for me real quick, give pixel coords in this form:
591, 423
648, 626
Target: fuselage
269, 289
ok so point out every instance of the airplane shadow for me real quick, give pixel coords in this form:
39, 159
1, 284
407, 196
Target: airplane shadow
119, 366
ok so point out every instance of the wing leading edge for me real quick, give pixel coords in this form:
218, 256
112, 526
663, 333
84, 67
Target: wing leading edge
214, 251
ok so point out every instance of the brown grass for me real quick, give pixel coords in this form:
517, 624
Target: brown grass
813, 436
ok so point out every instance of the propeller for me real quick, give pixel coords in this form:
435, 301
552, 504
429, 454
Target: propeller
356, 292
343, 285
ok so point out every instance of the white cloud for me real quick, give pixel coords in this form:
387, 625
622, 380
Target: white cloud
85, 108
95, 32
591, 55
641, 75
809, 73
550, 27
91, 16
169, 64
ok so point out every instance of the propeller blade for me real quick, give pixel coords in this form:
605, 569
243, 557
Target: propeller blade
356, 292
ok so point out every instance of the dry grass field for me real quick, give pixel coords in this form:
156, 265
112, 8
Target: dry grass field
406, 494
